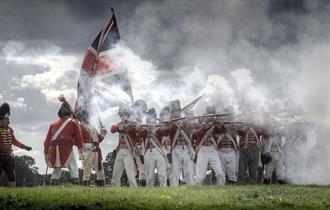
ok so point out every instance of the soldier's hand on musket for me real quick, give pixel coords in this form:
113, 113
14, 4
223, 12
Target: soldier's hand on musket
179, 123
27, 148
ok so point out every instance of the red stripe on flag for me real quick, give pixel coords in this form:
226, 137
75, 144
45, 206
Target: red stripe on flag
88, 63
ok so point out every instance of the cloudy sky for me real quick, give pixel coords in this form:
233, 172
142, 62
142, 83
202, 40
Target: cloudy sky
248, 55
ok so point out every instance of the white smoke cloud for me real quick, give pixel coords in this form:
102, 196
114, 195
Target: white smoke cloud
248, 92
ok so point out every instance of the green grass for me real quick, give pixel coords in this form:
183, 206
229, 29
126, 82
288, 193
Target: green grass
184, 197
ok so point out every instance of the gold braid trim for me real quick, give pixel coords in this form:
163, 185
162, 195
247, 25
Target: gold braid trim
6, 137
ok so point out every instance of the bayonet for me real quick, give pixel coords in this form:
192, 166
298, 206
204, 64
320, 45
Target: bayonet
192, 104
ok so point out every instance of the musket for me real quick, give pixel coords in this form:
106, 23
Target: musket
151, 125
237, 122
198, 117
130, 124
192, 104
274, 112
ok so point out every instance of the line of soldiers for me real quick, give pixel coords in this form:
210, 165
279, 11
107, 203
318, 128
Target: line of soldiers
183, 147
178, 148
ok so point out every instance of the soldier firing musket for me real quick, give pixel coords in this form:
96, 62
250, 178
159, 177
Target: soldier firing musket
205, 137
155, 157
182, 153
250, 136
139, 109
126, 147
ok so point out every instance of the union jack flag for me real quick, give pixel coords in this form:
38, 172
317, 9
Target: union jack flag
103, 79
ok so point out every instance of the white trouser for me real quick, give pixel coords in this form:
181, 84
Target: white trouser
275, 164
181, 161
155, 160
209, 155
124, 161
72, 166
228, 158
91, 162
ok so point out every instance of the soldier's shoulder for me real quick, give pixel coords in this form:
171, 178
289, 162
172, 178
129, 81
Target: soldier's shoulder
54, 122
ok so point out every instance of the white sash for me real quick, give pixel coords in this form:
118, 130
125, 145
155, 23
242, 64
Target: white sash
57, 150
156, 144
127, 142
228, 136
175, 138
192, 152
256, 136
205, 137
58, 132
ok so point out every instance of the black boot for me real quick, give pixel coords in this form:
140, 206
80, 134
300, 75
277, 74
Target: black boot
87, 183
75, 181
143, 183
54, 182
231, 182
266, 181
99, 183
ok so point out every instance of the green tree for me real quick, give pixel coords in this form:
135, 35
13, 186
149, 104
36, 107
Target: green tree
26, 172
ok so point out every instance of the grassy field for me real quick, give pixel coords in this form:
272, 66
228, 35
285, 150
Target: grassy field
184, 197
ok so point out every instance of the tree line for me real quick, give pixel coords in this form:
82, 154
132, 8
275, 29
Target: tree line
27, 174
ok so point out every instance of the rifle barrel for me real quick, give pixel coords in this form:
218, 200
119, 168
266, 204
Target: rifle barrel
151, 125
200, 116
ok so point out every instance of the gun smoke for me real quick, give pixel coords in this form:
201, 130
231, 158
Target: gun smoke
247, 57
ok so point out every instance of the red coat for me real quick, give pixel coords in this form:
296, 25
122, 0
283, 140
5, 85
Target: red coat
246, 134
142, 133
131, 132
7, 139
188, 127
200, 132
70, 135
86, 135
